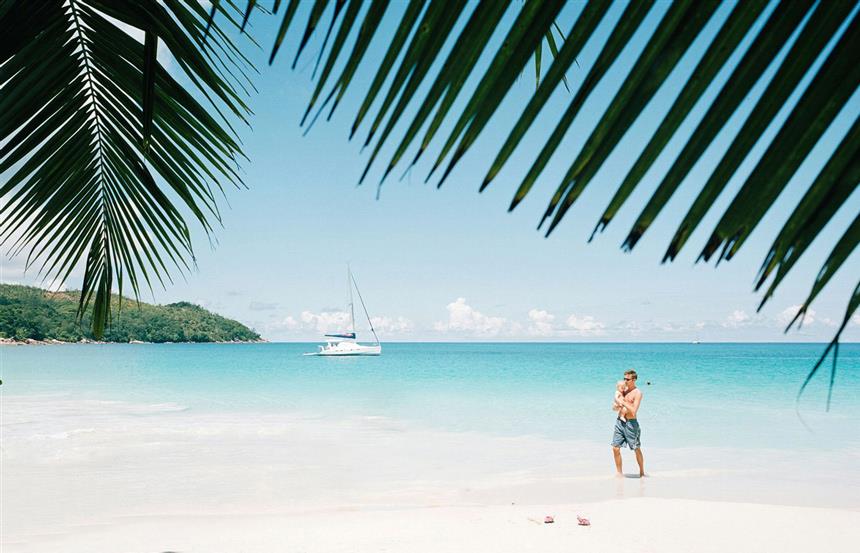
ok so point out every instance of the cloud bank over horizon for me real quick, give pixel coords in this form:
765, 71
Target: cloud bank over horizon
463, 321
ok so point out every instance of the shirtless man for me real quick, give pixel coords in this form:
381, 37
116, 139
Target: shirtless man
627, 432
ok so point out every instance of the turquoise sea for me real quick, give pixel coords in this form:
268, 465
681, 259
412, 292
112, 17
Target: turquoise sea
736, 395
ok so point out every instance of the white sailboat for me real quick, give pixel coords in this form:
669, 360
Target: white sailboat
344, 343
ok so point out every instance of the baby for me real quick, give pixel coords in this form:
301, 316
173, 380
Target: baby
618, 402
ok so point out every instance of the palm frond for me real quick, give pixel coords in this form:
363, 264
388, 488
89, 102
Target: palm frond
579, 34
525, 35
822, 25
451, 77
553, 49
346, 25
84, 136
831, 88
809, 27
621, 34
734, 29
830, 189
285, 25
676, 32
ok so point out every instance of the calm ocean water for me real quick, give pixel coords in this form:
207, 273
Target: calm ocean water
714, 395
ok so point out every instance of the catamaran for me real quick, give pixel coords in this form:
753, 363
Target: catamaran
343, 343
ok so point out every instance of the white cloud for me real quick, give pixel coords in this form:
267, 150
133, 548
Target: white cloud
856, 320
540, 323
789, 312
463, 318
392, 325
325, 322
328, 322
655, 329
585, 325
737, 318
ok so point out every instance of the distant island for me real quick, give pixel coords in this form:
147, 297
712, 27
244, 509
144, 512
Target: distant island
33, 315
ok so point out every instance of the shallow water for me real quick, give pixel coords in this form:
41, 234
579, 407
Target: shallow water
737, 395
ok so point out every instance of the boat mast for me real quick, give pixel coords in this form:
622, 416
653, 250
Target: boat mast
366, 314
349, 280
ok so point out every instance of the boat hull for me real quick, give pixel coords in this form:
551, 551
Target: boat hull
345, 349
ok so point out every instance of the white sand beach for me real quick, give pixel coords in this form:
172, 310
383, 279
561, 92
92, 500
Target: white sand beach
635, 525
98, 476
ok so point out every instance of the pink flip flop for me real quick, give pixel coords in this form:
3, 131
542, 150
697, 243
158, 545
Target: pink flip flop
583, 521
548, 520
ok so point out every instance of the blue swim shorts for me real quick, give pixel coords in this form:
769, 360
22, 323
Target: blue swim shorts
626, 433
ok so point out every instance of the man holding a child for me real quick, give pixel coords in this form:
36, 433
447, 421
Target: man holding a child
627, 431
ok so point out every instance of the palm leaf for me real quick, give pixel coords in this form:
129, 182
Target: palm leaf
553, 49
821, 27
672, 38
313, 20
831, 188
831, 88
365, 35
525, 35
853, 304
438, 20
338, 6
582, 30
679, 28
621, 34
285, 25
731, 33
346, 25
469, 46
404, 28
83, 135
769, 41
248, 10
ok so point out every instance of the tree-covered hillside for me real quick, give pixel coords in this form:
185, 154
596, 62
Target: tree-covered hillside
32, 313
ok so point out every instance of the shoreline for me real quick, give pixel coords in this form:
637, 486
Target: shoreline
53, 342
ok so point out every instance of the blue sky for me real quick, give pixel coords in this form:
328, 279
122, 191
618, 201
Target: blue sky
452, 264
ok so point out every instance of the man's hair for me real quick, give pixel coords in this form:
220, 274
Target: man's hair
631, 373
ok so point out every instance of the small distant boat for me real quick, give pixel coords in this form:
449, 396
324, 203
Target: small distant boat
344, 343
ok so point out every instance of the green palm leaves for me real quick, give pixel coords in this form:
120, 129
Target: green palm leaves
805, 29
102, 147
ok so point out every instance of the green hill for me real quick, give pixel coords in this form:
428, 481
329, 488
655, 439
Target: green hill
32, 313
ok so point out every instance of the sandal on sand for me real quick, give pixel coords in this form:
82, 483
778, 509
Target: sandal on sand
583, 521
548, 520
